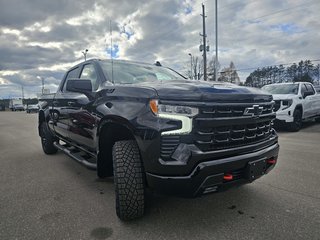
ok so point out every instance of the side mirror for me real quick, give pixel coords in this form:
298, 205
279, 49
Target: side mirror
306, 94
79, 85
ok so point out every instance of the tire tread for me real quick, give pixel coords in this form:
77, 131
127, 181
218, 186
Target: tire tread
129, 180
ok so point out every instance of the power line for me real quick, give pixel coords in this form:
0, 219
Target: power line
272, 14
279, 11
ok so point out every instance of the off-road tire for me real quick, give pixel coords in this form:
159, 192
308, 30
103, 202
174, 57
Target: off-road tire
47, 139
129, 180
296, 125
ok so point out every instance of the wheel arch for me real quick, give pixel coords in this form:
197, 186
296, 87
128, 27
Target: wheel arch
299, 107
110, 130
41, 119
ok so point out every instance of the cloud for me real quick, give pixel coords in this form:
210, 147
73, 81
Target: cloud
45, 38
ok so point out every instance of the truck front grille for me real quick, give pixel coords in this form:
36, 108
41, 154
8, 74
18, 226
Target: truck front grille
224, 126
231, 136
227, 126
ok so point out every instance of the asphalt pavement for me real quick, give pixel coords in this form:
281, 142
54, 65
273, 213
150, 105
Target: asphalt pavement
54, 197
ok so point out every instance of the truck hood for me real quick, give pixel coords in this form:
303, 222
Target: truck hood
283, 96
188, 90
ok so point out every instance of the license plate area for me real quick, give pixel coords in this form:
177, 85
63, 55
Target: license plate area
255, 169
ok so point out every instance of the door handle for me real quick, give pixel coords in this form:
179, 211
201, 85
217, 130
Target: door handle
74, 121
71, 103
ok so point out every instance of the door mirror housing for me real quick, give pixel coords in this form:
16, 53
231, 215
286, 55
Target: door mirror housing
79, 85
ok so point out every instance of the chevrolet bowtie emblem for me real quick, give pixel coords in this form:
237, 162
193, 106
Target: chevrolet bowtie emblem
255, 110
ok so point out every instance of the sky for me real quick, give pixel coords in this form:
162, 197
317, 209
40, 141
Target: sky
41, 39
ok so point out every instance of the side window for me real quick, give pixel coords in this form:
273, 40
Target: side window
303, 89
74, 73
310, 89
89, 72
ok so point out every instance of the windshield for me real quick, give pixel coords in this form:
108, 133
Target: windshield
129, 73
281, 88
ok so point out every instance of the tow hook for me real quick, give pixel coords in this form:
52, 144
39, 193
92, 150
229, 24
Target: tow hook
271, 161
227, 177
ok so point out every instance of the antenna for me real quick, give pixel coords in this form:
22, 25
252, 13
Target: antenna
111, 53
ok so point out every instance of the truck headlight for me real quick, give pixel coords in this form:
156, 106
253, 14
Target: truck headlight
179, 113
286, 103
177, 110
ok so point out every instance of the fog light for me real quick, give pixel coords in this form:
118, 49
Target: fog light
182, 153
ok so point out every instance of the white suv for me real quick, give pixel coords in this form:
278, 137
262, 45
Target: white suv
294, 102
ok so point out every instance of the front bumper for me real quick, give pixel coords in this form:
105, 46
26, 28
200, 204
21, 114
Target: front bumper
285, 115
209, 176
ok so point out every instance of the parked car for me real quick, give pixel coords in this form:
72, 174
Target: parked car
2, 107
294, 103
32, 108
15, 102
148, 126
17, 107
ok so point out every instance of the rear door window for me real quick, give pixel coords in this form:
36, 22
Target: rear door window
303, 89
310, 88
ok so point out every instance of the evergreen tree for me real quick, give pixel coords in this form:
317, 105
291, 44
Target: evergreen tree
303, 71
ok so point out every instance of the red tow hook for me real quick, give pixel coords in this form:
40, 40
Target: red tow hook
271, 161
228, 177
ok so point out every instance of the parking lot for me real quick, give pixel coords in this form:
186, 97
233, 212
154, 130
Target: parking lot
54, 197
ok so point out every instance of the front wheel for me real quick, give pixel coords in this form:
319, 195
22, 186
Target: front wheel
129, 180
47, 139
296, 125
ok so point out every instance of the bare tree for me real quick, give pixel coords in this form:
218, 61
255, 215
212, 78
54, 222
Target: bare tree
212, 69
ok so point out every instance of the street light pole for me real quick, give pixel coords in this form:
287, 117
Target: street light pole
191, 66
85, 54
42, 81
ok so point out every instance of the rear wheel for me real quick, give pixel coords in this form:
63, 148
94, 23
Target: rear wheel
47, 139
296, 125
129, 180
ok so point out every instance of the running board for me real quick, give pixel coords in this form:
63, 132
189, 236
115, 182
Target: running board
77, 155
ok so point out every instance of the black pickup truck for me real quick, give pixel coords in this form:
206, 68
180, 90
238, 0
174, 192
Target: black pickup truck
149, 127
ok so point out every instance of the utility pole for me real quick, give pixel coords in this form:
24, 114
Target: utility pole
204, 46
216, 61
